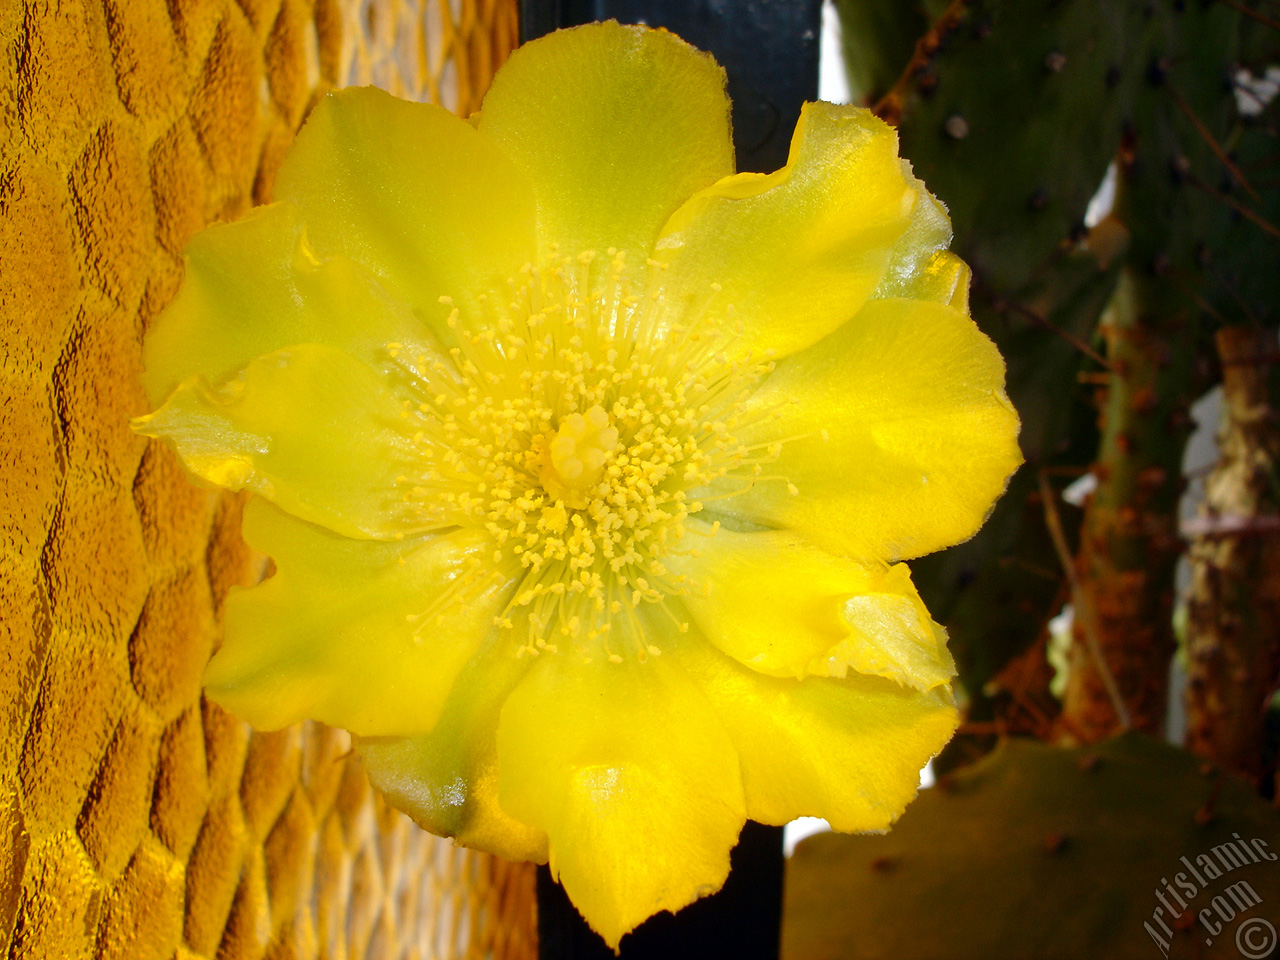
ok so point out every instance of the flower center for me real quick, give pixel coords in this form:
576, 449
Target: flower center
573, 460
579, 426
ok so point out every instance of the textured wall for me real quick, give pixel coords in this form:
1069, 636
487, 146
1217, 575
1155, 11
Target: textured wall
137, 820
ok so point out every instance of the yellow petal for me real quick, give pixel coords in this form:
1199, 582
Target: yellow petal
942, 278
920, 267
413, 193
616, 126
255, 286
847, 750
447, 779
360, 634
906, 435
310, 428
786, 608
798, 251
633, 778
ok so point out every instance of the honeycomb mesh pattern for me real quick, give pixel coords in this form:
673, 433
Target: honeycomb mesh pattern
137, 820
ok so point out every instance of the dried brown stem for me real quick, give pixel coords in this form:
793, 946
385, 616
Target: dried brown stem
1080, 600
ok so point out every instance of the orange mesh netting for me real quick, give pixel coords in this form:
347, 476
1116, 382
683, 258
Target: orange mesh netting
137, 821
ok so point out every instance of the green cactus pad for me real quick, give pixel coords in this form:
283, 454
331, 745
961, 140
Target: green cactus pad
1014, 119
1044, 852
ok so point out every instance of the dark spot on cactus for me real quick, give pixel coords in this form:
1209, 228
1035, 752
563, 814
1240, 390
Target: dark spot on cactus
1160, 265
1153, 478
1157, 72
1179, 6
1207, 770
956, 127
1054, 61
1088, 762
1078, 232
1038, 200
1056, 842
1114, 75
885, 864
1179, 167
1202, 255
927, 81
982, 28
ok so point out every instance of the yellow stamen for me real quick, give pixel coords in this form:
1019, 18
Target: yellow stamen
573, 460
576, 422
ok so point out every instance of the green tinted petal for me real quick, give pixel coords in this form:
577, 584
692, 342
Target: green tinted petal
413, 193
256, 286
447, 779
360, 634
920, 268
792, 255
616, 126
310, 428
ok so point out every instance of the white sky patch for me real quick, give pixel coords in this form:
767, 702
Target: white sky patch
1058, 652
1104, 200
833, 85
1078, 490
1254, 93
797, 830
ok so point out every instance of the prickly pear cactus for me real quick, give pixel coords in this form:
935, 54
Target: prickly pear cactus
1045, 852
1130, 545
1011, 112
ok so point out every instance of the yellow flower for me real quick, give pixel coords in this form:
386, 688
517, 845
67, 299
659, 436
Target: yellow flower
587, 465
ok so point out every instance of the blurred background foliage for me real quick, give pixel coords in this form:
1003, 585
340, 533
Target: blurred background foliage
1115, 311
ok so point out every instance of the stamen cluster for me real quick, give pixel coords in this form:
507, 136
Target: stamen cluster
577, 423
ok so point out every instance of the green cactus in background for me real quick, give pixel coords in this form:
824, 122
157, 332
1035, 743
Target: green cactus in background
1011, 111
1017, 192
1130, 543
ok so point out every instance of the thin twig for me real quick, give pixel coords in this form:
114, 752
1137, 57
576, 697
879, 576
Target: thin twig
1082, 608
1239, 301
1208, 138
889, 107
1250, 12
1038, 716
1027, 313
1200, 301
1236, 205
